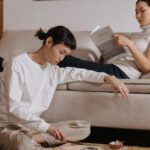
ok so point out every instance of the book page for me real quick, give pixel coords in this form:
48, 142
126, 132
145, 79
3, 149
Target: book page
103, 38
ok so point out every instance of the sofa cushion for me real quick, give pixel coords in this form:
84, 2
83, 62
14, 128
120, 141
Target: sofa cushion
135, 86
62, 87
16, 42
146, 76
86, 49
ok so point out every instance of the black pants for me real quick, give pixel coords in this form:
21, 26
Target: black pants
70, 61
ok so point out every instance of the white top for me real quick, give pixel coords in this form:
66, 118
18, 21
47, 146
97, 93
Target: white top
32, 87
127, 63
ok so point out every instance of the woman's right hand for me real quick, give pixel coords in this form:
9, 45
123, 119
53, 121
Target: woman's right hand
122, 40
117, 86
57, 133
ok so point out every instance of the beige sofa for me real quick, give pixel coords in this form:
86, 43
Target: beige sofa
81, 100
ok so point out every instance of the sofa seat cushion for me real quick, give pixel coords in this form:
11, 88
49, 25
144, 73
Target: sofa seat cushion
61, 87
135, 86
146, 76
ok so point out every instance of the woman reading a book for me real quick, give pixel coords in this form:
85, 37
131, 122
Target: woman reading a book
137, 59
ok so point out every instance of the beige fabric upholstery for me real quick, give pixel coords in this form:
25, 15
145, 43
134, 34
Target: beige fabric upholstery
101, 109
146, 76
86, 49
135, 86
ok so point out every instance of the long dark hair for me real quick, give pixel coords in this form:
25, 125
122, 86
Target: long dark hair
59, 34
146, 1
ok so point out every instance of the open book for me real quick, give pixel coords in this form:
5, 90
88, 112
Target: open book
103, 38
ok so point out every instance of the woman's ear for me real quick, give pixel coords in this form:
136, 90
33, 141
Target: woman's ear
49, 42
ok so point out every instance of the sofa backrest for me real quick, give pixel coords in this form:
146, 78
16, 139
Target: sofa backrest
19, 41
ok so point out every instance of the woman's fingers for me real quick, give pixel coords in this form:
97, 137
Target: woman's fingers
118, 86
57, 133
123, 90
124, 93
63, 136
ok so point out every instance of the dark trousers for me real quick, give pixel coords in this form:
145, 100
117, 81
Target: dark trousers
70, 61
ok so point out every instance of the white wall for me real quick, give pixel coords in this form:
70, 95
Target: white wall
75, 14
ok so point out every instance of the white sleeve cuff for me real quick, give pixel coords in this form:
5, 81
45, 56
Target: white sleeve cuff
102, 77
44, 127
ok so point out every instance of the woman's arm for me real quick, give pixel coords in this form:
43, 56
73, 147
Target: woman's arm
141, 60
70, 74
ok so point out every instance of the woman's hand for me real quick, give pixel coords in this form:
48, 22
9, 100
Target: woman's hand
117, 86
57, 133
122, 40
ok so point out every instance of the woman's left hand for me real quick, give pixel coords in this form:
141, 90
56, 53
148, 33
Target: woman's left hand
118, 86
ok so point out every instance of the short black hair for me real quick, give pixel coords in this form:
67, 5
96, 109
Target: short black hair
146, 1
59, 34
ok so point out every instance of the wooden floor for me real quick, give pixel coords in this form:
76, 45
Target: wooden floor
130, 137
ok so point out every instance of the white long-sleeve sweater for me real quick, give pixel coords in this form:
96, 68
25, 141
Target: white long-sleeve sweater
32, 86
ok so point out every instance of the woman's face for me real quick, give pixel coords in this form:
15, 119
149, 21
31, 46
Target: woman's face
56, 53
142, 13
